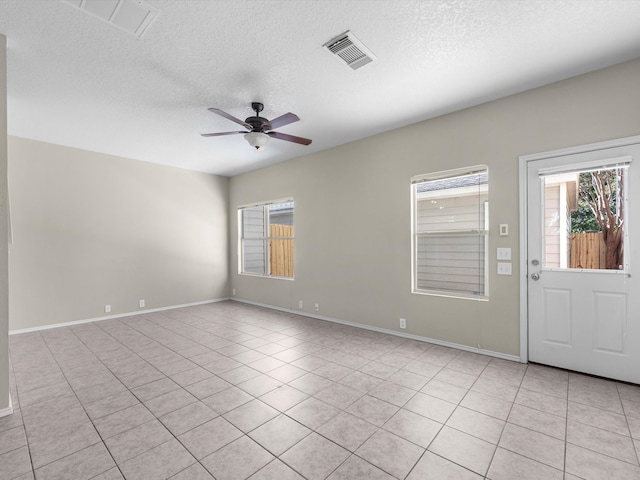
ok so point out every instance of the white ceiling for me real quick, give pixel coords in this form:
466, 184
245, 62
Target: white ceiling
75, 80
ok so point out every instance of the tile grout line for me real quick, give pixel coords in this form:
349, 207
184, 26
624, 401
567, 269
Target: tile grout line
633, 445
245, 434
141, 402
144, 405
24, 427
486, 473
328, 342
83, 408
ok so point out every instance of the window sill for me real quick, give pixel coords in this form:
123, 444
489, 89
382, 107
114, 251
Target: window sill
461, 296
257, 275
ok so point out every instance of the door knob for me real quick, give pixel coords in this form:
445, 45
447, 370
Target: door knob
535, 277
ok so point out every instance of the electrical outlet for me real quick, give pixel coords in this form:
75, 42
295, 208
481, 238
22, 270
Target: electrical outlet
141, 303
233, 291
403, 323
300, 304
316, 307
107, 309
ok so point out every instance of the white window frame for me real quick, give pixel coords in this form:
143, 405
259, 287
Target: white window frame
266, 238
415, 235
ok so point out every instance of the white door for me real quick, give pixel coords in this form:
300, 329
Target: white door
583, 319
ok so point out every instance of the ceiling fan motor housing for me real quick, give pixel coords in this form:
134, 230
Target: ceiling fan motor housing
258, 124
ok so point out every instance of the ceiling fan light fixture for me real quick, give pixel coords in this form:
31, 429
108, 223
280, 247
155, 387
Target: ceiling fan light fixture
257, 139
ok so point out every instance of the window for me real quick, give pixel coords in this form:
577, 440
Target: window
266, 239
584, 216
450, 232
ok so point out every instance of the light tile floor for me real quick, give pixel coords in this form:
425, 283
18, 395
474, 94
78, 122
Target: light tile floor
232, 391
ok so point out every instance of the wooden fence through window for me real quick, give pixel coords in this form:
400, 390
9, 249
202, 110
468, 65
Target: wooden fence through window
587, 250
281, 250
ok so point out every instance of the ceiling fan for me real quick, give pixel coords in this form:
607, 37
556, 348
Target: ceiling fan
260, 129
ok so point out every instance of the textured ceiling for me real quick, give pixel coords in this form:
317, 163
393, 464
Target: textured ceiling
75, 80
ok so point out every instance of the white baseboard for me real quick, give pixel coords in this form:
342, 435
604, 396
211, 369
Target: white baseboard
504, 356
7, 411
111, 317
491, 353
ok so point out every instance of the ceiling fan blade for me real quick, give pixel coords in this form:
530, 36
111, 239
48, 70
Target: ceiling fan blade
229, 117
289, 138
219, 134
283, 120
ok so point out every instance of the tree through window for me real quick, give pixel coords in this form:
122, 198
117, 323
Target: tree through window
584, 218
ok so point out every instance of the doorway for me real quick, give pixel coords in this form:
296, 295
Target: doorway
580, 311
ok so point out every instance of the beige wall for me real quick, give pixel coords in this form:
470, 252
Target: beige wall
4, 267
352, 203
92, 229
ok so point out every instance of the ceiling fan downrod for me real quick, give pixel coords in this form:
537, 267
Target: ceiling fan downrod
257, 107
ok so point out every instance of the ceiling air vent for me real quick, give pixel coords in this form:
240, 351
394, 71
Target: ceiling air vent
133, 16
351, 50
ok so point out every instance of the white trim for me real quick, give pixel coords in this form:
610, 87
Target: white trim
523, 162
238, 238
453, 192
524, 274
413, 211
591, 147
455, 172
415, 197
594, 165
266, 237
268, 202
258, 275
7, 411
626, 257
112, 317
451, 294
486, 249
491, 353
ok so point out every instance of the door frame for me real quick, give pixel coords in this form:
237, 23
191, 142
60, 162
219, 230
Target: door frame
524, 222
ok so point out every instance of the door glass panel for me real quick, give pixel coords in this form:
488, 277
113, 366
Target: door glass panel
584, 219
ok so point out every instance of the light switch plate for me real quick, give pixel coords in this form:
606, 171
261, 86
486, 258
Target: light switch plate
504, 229
504, 268
504, 254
